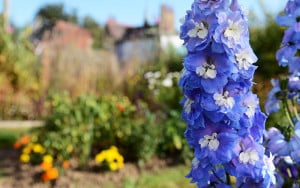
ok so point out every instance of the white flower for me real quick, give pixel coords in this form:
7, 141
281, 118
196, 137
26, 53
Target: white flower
195, 163
248, 156
148, 75
224, 100
251, 105
188, 105
269, 168
200, 31
288, 160
245, 59
207, 71
233, 31
167, 82
211, 141
156, 74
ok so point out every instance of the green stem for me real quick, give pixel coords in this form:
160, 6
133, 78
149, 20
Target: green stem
228, 179
218, 177
288, 112
295, 110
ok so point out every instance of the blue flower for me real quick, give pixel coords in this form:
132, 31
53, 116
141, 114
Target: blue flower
224, 122
295, 145
293, 86
285, 55
272, 104
249, 163
207, 7
232, 31
276, 143
191, 113
199, 174
213, 144
210, 70
196, 31
290, 18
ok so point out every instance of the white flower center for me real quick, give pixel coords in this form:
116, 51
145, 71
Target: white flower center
244, 59
288, 160
248, 156
200, 31
188, 105
195, 163
233, 31
251, 106
269, 167
207, 71
224, 100
211, 141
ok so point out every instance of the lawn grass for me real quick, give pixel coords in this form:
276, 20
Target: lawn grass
8, 136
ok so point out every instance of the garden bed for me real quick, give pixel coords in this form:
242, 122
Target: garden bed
14, 174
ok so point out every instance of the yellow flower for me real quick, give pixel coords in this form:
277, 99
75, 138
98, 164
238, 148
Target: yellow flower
113, 166
113, 158
26, 150
38, 148
113, 148
119, 158
48, 159
100, 157
24, 158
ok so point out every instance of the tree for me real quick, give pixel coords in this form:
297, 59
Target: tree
52, 13
96, 30
266, 41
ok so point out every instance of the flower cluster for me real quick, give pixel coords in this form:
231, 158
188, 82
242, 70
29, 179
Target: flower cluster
34, 153
110, 158
31, 152
224, 122
50, 173
155, 79
285, 145
21, 142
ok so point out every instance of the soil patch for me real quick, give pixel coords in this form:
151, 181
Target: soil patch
13, 174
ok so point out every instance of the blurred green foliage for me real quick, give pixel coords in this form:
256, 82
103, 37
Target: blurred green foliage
96, 30
50, 13
78, 128
19, 73
265, 41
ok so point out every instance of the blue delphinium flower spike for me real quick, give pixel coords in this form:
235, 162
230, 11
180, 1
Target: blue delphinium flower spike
224, 121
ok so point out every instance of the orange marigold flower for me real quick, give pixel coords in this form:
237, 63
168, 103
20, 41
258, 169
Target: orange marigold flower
66, 164
25, 140
17, 145
120, 107
50, 174
46, 165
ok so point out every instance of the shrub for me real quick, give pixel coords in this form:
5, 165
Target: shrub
80, 127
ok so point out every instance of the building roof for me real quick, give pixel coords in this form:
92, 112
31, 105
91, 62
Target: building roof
62, 33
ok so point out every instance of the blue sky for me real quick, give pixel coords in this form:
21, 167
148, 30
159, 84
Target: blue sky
131, 12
